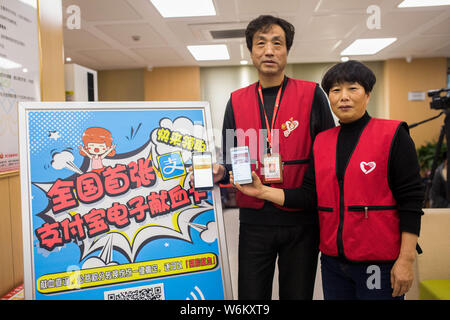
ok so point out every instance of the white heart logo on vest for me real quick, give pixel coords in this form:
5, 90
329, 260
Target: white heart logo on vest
367, 167
289, 126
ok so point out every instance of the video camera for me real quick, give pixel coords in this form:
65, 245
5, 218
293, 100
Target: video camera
438, 100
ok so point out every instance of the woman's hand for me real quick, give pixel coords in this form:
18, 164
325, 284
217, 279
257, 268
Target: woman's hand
258, 190
402, 276
402, 273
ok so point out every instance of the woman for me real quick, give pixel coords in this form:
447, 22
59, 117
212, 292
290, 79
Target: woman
364, 179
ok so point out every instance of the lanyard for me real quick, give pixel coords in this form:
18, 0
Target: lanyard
277, 104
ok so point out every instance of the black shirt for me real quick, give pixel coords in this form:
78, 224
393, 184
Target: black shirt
404, 177
321, 119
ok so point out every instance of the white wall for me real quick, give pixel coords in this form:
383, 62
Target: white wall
216, 85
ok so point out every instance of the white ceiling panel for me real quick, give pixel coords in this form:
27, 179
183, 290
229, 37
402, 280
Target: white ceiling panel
136, 34
343, 5
422, 45
158, 56
442, 52
389, 23
82, 39
332, 26
107, 57
442, 28
256, 7
306, 49
323, 29
104, 10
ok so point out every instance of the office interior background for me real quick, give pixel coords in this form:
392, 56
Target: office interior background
134, 50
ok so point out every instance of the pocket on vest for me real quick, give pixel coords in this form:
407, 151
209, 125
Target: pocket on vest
328, 222
371, 233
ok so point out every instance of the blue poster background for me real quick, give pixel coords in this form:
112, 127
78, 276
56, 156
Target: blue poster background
54, 133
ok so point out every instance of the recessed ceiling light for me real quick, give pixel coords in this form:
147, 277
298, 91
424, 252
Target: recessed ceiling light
367, 46
8, 64
30, 3
68, 59
423, 3
345, 59
209, 52
244, 62
184, 8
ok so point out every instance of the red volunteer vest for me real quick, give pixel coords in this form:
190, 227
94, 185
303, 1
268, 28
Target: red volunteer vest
358, 217
292, 137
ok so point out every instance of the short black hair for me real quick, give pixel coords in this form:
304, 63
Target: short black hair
263, 23
350, 71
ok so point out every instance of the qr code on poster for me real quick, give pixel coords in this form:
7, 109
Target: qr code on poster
150, 292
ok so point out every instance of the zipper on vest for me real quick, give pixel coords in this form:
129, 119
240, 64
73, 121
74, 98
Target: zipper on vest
367, 208
371, 208
339, 241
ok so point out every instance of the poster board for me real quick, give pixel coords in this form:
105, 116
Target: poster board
19, 72
124, 222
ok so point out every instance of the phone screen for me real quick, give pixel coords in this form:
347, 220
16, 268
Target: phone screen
240, 162
202, 165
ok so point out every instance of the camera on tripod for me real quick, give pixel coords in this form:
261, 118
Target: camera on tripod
438, 99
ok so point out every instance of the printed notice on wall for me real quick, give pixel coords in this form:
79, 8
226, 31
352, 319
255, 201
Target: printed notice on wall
109, 211
19, 72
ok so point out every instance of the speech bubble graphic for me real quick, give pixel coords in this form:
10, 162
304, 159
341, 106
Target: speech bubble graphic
64, 160
180, 135
207, 233
124, 207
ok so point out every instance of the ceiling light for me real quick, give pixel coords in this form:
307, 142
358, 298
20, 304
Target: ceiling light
184, 8
209, 52
68, 59
8, 64
367, 46
244, 62
30, 3
345, 59
423, 3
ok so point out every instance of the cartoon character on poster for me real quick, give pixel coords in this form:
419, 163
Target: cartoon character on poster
97, 144
120, 216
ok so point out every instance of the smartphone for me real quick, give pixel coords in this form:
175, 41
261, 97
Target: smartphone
241, 165
202, 167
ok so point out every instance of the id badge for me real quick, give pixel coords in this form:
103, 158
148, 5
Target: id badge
273, 169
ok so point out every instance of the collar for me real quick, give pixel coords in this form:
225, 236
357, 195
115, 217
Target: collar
274, 90
358, 124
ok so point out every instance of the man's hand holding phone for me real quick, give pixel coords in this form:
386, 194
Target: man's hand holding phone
218, 172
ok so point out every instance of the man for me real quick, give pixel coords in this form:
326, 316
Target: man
286, 114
